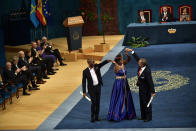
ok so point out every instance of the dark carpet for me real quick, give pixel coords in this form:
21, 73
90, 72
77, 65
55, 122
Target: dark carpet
172, 108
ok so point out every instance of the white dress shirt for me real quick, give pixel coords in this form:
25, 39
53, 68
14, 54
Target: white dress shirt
142, 17
165, 14
94, 76
142, 69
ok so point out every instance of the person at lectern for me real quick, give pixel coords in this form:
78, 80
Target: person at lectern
165, 15
142, 18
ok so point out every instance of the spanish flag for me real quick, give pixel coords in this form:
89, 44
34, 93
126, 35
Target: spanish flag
39, 13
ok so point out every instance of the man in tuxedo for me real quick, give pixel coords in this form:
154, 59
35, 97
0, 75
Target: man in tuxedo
94, 80
165, 16
146, 87
14, 77
142, 18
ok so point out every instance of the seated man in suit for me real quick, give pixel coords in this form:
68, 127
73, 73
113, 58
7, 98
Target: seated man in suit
14, 77
25, 73
142, 18
165, 16
50, 51
45, 63
31, 69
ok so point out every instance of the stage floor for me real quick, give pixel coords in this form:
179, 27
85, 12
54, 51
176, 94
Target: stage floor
28, 112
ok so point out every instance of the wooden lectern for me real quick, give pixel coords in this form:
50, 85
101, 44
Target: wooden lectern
74, 26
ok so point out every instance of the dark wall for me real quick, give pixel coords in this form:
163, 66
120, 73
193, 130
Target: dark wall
127, 9
60, 9
2, 49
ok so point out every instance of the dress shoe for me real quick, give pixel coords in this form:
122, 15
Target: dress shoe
40, 82
140, 118
46, 77
62, 64
50, 73
35, 86
147, 120
97, 119
92, 120
25, 93
43, 81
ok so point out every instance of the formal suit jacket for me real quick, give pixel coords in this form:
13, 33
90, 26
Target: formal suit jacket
9, 76
36, 60
140, 20
168, 15
145, 81
87, 76
22, 63
14, 68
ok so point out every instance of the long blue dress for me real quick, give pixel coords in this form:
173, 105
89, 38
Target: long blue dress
121, 103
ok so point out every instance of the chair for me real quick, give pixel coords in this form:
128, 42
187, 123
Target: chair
2, 100
170, 10
189, 10
5, 93
148, 13
12, 88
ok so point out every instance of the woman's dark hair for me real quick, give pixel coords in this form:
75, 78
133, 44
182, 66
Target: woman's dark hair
118, 58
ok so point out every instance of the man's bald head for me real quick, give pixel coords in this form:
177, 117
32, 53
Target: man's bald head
21, 54
44, 39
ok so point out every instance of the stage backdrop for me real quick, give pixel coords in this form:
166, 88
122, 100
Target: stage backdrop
127, 9
59, 9
2, 50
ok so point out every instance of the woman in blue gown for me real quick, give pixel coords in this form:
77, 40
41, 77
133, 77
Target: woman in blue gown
121, 103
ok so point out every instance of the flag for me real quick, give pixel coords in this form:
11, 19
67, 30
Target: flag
39, 13
46, 11
33, 16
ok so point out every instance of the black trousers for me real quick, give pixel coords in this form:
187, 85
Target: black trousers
58, 55
95, 93
37, 71
22, 78
49, 63
146, 112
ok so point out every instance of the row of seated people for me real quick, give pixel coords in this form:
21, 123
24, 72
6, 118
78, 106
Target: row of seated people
166, 15
37, 62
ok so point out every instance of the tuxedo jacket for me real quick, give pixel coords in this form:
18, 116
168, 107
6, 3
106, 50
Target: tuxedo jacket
87, 76
168, 15
145, 81
140, 20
